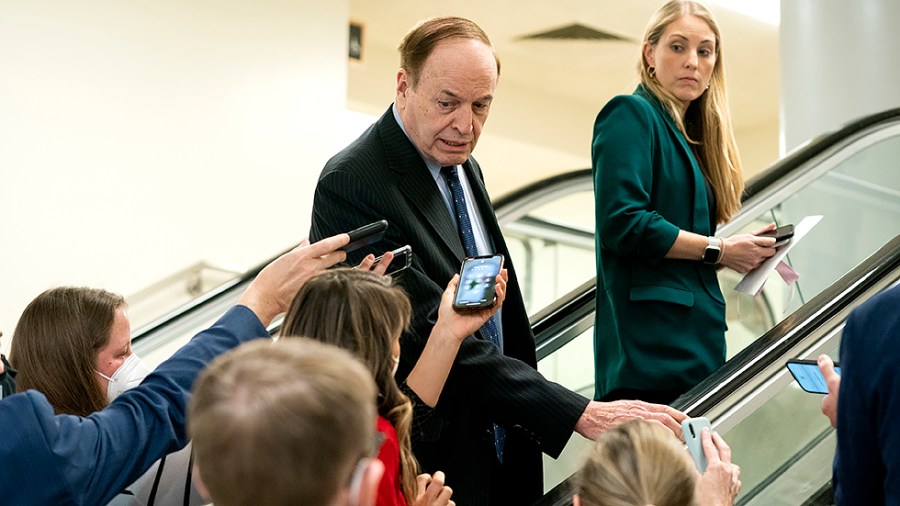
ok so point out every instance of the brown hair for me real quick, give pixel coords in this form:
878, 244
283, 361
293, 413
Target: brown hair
707, 121
56, 342
635, 464
281, 423
421, 40
364, 313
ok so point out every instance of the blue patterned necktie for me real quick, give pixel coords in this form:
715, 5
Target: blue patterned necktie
489, 329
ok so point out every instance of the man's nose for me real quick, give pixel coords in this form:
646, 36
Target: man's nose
462, 120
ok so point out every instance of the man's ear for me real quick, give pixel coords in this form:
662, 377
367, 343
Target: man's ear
403, 85
368, 490
576, 501
198, 482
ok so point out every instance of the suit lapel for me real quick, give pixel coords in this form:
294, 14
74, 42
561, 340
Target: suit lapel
417, 185
700, 214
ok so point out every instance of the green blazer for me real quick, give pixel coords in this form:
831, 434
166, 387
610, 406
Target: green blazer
660, 323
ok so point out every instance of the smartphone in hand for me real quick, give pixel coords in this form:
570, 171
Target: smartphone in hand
781, 234
692, 428
366, 235
809, 376
477, 279
402, 259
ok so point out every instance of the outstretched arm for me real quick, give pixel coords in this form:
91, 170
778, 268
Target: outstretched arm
428, 376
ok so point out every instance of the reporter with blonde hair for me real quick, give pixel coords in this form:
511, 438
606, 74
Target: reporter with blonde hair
666, 172
639, 463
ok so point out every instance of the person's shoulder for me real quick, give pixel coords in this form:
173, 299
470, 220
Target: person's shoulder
622, 107
881, 311
366, 150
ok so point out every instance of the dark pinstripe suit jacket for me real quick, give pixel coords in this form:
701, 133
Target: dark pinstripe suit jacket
382, 176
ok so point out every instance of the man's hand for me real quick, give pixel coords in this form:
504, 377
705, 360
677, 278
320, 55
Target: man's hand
833, 379
275, 286
720, 483
599, 416
432, 491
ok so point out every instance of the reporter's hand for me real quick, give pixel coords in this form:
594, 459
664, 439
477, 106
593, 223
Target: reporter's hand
275, 286
720, 483
432, 491
599, 416
368, 263
458, 324
833, 379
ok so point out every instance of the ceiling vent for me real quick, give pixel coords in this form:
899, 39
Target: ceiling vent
575, 31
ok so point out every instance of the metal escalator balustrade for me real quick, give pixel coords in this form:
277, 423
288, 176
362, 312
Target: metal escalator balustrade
776, 431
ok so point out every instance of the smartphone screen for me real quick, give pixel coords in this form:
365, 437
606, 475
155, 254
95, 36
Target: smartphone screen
477, 278
402, 260
691, 429
808, 375
366, 235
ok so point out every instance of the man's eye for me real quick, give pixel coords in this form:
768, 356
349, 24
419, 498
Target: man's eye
443, 103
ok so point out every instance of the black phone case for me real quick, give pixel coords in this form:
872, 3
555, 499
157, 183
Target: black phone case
467, 307
366, 235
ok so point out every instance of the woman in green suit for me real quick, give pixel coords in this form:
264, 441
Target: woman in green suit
666, 172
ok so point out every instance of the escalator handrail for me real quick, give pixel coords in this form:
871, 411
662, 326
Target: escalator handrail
196, 304
550, 184
818, 145
762, 354
784, 168
791, 331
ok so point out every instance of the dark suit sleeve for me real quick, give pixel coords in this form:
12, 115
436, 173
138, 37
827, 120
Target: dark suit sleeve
623, 160
506, 390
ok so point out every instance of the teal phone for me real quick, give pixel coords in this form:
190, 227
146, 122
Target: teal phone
692, 428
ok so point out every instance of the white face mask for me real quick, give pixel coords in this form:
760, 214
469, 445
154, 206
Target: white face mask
128, 375
396, 364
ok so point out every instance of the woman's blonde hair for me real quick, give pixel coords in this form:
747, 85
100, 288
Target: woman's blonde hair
707, 121
364, 313
635, 464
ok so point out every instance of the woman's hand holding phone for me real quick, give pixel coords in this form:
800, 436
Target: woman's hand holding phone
460, 324
744, 252
720, 483
430, 372
378, 266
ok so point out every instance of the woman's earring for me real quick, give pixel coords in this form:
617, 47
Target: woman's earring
652, 72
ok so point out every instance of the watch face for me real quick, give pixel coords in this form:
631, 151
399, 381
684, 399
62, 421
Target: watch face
712, 254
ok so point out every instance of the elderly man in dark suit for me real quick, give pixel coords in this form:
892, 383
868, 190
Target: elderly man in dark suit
413, 167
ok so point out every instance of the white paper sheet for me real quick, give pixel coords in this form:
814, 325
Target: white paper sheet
754, 280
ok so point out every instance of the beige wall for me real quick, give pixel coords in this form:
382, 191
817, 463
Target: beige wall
137, 138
